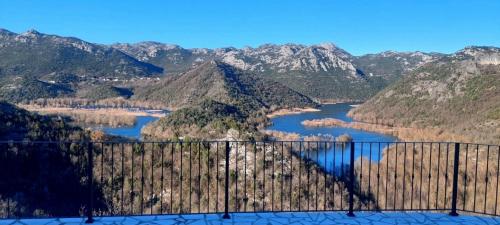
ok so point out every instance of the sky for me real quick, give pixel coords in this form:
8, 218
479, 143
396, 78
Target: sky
358, 26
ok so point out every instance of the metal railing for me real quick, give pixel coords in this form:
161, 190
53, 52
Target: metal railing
55, 179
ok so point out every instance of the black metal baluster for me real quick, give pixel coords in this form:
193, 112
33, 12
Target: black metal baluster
465, 175
102, 163
18, 167
446, 176
282, 174
172, 177
208, 176
324, 174
272, 179
132, 192
437, 180
226, 185
300, 172
291, 174
162, 177
386, 172
142, 177
152, 179
421, 173
245, 200
317, 176
254, 174
486, 178
498, 176
378, 173
475, 178
181, 178
429, 179
342, 175
123, 177
351, 182
308, 174
89, 211
236, 177
334, 172
455, 181
360, 172
369, 172
90, 180
264, 177
217, 177
199, 176
395, 176
112, 178
404, 176
190, 175
412, 175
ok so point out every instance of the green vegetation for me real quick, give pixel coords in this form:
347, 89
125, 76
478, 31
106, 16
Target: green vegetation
104, 91
427, 184
26, 89
455, 94
40, 178
201, 188
18, 124
52, 66
210, 119
494, 114
215, 97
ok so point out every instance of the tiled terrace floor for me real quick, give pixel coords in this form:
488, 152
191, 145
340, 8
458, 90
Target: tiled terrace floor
299, 218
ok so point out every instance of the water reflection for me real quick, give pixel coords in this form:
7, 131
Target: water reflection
332, 157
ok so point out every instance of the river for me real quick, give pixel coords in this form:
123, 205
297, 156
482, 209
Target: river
129, 131
334, 157
330, 159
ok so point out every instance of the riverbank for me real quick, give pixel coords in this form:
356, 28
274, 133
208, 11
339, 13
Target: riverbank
100, 111
97, 117
293, 111
402, 133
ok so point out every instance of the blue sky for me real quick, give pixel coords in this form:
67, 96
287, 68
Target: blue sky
358, 26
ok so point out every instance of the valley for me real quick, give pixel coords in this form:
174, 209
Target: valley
149, 96
412, 95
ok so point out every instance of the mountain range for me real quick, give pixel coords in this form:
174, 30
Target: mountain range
62, 66
235, 86
323, 72
458, 93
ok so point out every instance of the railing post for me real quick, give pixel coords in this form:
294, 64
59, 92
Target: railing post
90, 179
455, 181
226, 187
351, 183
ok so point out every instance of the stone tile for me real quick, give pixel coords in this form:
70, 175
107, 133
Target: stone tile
296, 218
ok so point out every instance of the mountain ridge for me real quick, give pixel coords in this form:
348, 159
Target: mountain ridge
324, 72
313, 70
459, 93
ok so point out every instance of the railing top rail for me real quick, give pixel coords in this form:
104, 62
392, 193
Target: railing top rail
239, 141
242, 141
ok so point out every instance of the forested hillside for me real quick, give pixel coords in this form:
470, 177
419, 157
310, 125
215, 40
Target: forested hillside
215, 97
459, 94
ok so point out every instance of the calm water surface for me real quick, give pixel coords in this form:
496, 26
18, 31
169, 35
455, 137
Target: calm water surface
129, 131
331, 158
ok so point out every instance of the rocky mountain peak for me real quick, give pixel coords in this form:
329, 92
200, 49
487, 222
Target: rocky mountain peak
480, 54
32, 33
328, 46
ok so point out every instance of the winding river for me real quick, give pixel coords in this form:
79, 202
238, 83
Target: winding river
332, 158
